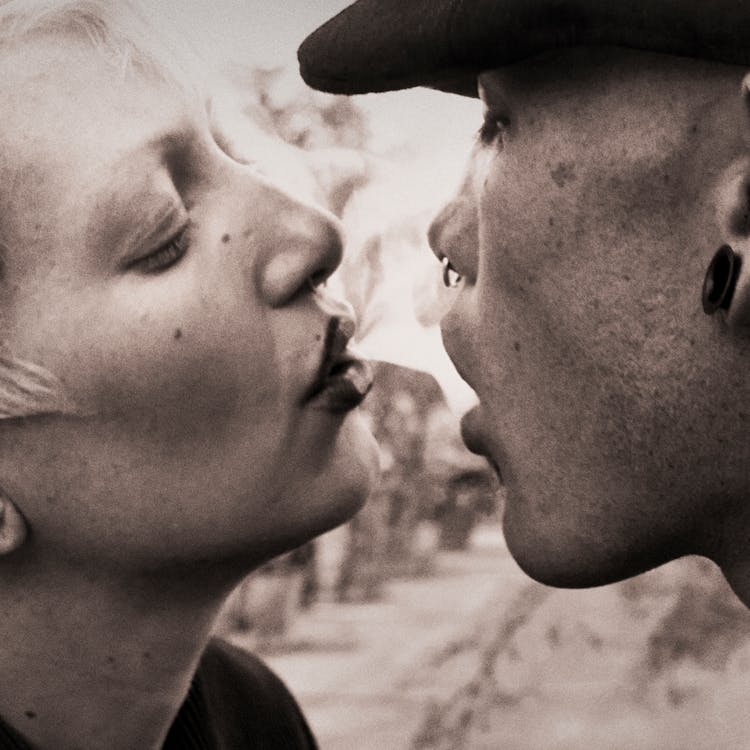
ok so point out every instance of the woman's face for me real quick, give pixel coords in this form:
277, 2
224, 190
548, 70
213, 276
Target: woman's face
168, 287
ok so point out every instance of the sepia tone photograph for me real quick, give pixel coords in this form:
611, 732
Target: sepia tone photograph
374, 375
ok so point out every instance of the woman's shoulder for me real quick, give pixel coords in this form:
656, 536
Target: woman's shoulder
224, 666
238, 702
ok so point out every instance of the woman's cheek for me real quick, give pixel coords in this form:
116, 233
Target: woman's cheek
189, 365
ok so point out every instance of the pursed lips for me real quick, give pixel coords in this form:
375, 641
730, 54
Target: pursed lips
342, 379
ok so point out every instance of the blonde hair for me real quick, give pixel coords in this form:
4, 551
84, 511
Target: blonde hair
121, 32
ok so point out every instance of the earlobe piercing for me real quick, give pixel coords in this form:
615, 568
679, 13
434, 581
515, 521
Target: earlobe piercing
13, 529
721, 280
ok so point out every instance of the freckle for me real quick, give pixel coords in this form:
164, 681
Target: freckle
177, 333
551, 221
225, 238
147, 656
318, 337
517, 346
30, 714
110, 660
51, 499
563, 173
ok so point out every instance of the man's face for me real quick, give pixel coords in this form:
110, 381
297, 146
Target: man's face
611, 405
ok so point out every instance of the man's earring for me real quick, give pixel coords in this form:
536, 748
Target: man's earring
13, 529
720, 280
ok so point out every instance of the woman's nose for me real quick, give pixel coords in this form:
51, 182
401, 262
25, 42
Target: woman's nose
306, 248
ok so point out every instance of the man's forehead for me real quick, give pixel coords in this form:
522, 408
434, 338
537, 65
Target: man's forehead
584, 68
381, 45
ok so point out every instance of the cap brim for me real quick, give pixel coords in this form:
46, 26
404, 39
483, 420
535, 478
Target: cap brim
382, 45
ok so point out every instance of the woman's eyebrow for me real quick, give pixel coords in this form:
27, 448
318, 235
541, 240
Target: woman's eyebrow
141, 199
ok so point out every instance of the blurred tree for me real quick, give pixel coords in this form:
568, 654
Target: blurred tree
298, 115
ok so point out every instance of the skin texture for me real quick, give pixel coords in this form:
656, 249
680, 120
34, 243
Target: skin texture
196, 458
614, 409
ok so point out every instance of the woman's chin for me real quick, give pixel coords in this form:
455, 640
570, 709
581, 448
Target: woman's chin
354, 470
331, 492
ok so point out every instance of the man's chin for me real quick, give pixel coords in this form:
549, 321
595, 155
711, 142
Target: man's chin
571, 563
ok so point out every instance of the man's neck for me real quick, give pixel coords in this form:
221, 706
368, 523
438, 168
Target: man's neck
91, 660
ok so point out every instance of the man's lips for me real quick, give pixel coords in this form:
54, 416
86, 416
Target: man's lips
474, 437
343, 379
471, 431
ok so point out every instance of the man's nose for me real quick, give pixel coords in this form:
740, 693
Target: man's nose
304, 248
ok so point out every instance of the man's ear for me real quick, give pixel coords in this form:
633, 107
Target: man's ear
726, 288
13, 529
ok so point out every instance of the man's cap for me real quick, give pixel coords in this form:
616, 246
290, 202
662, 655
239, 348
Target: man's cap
383, 45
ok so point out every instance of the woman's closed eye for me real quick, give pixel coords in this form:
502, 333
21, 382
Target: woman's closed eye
170, 253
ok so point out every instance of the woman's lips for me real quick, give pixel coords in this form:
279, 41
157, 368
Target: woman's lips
345, 386
343, 379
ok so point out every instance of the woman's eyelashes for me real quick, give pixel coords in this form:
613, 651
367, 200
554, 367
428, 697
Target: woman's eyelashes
167, 255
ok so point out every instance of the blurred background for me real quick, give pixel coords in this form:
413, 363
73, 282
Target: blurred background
411, 628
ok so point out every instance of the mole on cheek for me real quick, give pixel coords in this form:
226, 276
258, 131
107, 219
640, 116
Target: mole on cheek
177, 333
225, 238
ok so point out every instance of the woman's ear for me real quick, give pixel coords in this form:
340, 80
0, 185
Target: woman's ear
13, 529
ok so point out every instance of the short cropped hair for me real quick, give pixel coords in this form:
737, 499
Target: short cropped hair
121, 32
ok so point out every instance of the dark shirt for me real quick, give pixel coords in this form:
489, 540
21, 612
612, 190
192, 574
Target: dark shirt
235, 702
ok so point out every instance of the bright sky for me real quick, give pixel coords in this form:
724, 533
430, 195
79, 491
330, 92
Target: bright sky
435, 130
268, 34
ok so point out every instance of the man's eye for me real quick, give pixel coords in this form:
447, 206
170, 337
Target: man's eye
166, 256
492, 130
451, 277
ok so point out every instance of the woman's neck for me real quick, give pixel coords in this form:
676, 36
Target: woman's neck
91, 660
